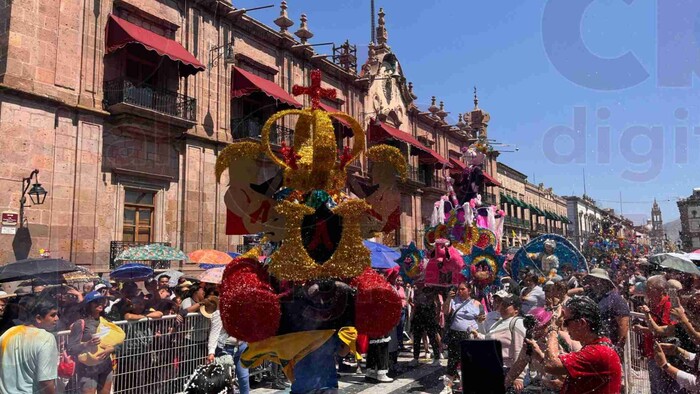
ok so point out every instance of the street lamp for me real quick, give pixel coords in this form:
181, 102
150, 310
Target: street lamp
37, 194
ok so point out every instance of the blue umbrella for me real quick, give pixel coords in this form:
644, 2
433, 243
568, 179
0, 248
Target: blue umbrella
131, 272
382, 256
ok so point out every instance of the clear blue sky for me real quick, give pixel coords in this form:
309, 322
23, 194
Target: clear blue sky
518, 54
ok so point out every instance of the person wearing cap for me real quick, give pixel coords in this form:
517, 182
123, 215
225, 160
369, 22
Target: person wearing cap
509, 330
596, 368
221, 343
83, 338
614, 311
102, 289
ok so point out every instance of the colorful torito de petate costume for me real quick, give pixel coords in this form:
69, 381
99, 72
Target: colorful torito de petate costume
317, 290
462, 241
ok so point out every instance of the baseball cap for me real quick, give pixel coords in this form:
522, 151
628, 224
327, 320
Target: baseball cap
92, 296
100, 286
503, 294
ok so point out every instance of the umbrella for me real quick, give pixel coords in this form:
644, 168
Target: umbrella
676, 262
695, 256
131, 272
34, 268
382, 256
151, 252
565, 251
210, 256
81, 274
174, 276
212, 275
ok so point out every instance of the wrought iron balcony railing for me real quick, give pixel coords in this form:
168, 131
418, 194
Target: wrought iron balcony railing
125, 91
252, 128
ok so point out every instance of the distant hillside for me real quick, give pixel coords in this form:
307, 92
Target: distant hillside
672, 229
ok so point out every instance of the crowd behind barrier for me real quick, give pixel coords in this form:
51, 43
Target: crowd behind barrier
158, 355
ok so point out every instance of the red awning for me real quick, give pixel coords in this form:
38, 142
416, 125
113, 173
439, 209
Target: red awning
245, 83
345, 123
120, 33
489, 180
384, 131
457, 165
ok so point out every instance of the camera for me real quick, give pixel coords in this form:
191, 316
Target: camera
530, 323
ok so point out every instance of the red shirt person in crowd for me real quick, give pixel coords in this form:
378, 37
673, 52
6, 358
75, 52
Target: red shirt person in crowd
596, 368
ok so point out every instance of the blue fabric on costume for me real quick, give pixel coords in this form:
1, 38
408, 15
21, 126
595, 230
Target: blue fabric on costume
317, 369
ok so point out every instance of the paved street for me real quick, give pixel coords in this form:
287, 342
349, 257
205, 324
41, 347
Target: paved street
416, 380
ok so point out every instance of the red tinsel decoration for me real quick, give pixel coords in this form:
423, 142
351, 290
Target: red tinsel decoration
290, 157
250, 310
377, 306
345, 156
315, 91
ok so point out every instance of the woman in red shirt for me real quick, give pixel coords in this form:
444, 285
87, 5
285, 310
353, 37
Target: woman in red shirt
596, 368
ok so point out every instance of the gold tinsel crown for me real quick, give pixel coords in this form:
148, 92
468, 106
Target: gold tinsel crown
313, 161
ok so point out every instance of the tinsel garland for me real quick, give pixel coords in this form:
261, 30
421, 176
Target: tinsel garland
250, 310
246, 149
389, 154
351, 257
377, 305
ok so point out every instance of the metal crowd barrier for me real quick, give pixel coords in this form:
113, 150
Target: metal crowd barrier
157, 356
636, 369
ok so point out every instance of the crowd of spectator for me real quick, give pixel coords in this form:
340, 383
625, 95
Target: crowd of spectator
564, 333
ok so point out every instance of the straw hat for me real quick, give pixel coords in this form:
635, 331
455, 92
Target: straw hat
209, 306
4, 295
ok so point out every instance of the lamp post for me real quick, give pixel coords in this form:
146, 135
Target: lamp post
37, 194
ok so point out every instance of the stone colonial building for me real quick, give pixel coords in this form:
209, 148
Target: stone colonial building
531, 210
689, 209
587, 218
124, 105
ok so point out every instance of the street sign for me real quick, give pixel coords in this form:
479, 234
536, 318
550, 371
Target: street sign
9, 230
9, 218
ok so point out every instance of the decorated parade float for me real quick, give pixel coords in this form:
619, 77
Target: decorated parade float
315, 290
607, 245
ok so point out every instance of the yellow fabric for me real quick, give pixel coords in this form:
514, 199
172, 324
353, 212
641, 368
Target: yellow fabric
287, 350
112, 336
349, 337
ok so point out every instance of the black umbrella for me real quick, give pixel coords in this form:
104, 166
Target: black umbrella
35, 268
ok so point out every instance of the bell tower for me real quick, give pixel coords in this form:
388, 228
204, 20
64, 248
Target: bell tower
657, 228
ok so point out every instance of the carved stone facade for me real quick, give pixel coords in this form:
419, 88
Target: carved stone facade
689, 209
126, 139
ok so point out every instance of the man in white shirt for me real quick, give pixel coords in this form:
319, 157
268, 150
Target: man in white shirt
28, 353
